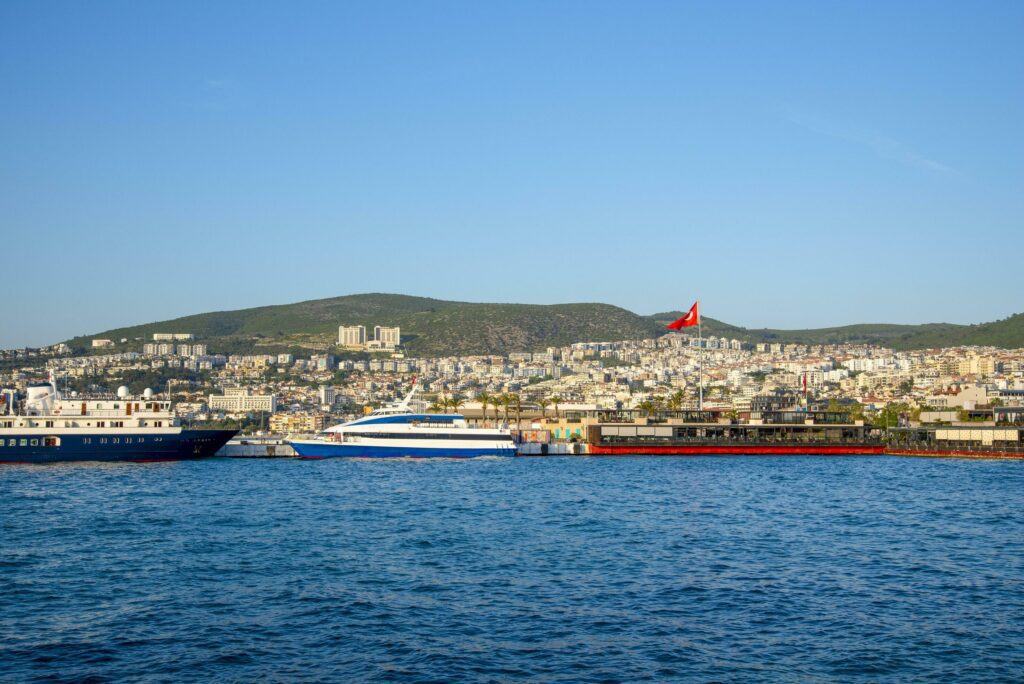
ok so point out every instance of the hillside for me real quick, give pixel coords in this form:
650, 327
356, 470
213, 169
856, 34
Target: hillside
1007, 333
430, 327
434, 327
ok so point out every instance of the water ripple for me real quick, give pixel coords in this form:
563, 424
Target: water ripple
551, 570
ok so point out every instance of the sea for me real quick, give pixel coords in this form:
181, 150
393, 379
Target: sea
613, 569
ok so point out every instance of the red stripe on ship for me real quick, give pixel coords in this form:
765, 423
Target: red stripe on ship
736, 450
955, 453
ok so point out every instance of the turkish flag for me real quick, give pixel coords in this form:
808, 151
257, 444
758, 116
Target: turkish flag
691, 318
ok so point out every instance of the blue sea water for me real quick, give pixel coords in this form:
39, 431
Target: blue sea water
548, 570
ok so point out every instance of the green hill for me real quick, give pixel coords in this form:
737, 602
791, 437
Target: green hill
430, 327
434, 327
1007, 333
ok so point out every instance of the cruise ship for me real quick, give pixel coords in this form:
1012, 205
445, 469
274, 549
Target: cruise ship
398, 431
44, 427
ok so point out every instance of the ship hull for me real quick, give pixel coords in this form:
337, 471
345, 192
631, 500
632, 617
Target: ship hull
315, 450
957, 453
131, 447
737, 450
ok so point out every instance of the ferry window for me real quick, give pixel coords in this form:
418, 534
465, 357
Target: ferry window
86, 440
35, 442
49, 423
102, 423
117, 406
103, 440
141, 440
117, 440
24, 442
127, 440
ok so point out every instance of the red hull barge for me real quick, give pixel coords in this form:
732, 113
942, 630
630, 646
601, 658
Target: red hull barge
956, 453
738, 450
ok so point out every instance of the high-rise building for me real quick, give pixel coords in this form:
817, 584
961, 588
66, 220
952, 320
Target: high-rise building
388, 338
352, 335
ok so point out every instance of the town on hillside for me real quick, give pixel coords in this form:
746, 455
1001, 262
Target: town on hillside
287, 394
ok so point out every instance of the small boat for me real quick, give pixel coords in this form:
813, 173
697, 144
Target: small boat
398, 431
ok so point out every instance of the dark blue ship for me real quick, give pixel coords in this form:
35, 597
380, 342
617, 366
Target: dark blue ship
44, 427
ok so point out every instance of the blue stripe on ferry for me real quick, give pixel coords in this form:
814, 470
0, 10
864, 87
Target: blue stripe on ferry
408, 418
335, 450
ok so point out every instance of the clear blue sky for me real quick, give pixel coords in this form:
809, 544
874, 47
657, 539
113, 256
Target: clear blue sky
791, 164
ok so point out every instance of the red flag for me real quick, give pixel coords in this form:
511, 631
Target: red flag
691, 318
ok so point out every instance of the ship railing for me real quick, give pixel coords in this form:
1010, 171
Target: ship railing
716, 440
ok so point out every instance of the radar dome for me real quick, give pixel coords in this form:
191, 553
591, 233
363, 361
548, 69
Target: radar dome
122, 392
147, 393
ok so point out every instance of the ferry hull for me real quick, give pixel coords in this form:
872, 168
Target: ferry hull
312, 450
737, 450
188, 444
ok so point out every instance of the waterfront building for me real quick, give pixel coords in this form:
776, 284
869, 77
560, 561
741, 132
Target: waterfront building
286, 423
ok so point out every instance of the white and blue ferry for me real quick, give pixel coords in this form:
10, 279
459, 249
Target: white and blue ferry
44, 427
398, 431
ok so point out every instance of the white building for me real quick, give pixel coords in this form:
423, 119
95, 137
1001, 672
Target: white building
171, 337
352, 335
242, 400
387, 338
96, 344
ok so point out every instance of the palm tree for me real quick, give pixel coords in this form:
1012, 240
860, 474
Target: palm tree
648, 407
456, 402
556, 400
675, 402
438, 406
484, 398
496, 403
544, 403
517, 401
506, 403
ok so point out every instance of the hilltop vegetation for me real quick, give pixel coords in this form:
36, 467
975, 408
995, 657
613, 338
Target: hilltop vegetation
430, 327
1007, 333
434, 327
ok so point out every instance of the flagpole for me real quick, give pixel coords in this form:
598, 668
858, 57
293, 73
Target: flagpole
700, 347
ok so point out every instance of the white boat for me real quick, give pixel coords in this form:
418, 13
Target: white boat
398, 431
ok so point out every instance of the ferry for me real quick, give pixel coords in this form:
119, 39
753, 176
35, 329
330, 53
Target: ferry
45, 427
398, 431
